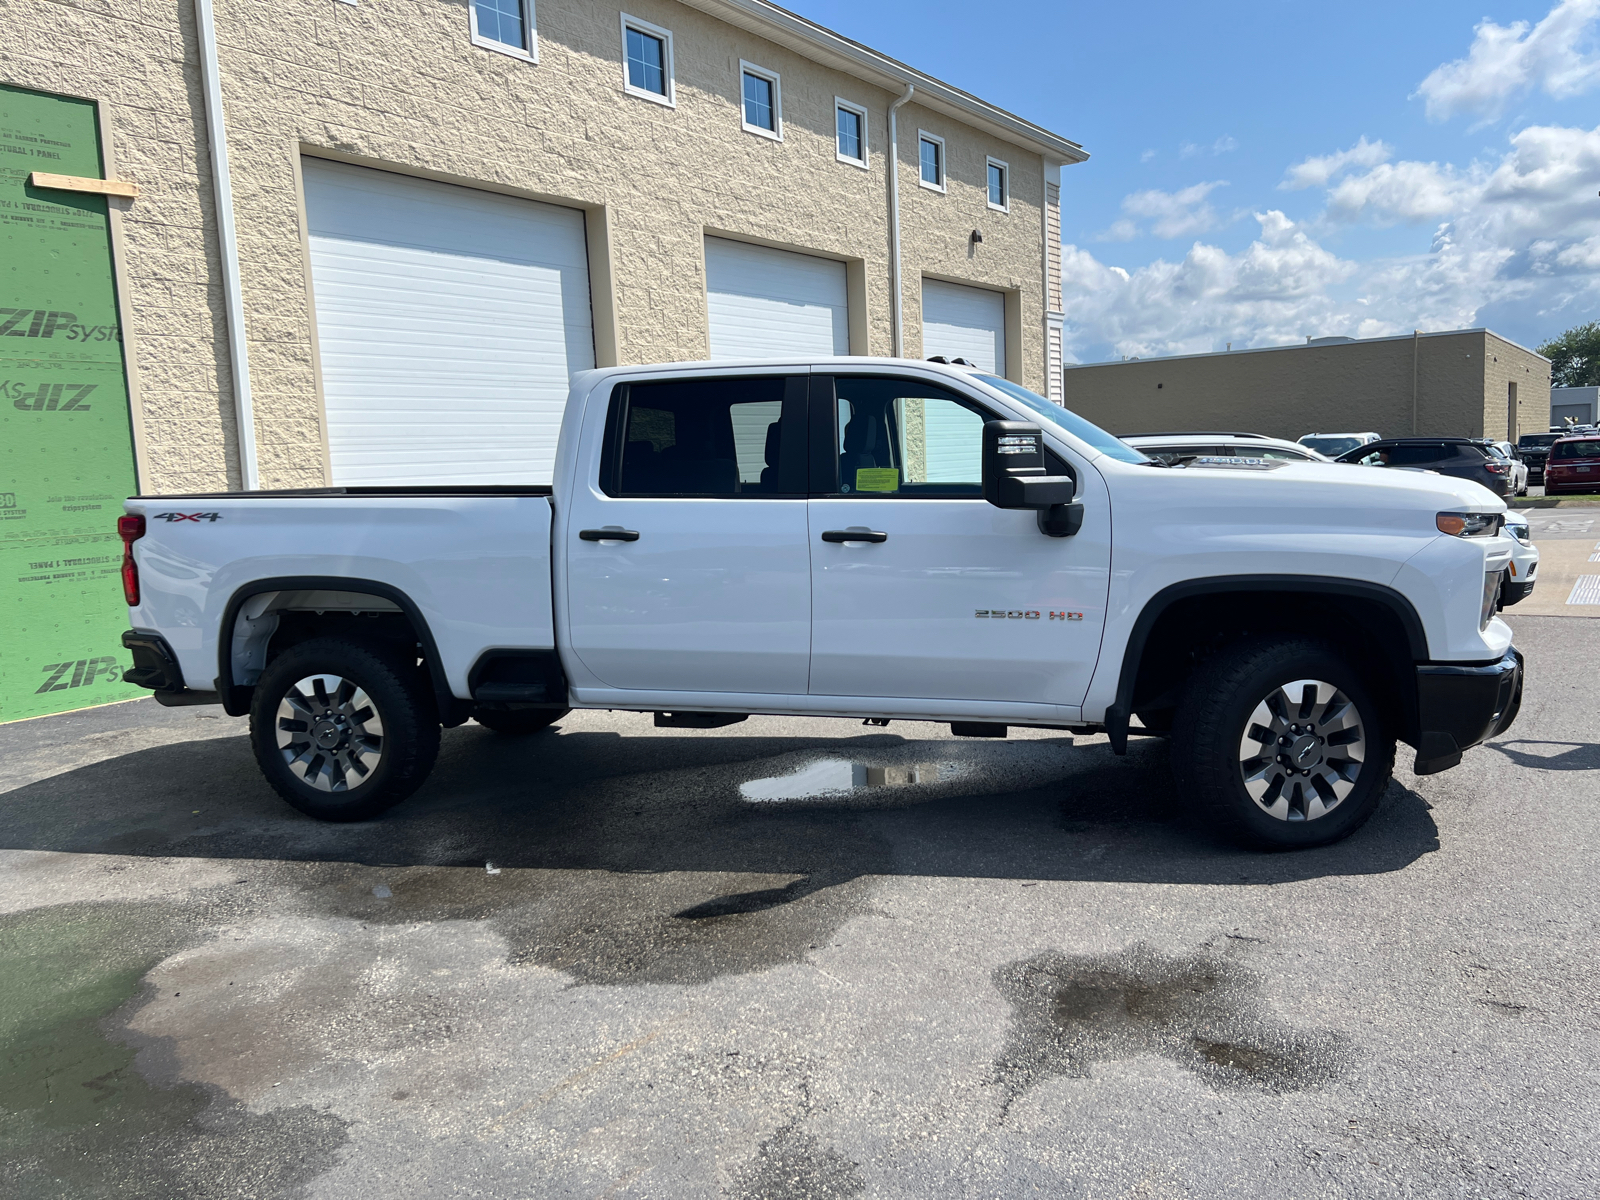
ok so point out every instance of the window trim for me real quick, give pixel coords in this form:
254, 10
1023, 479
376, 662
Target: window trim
772, 77
942, 186
1005, 183
838, 103
528, 53
670, 100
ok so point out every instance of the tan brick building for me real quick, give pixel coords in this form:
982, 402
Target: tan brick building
442, 208
1463, 383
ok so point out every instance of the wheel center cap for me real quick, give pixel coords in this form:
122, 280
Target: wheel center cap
326, 733
1304, 751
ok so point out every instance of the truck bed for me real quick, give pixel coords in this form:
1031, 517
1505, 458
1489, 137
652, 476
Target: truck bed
473, 563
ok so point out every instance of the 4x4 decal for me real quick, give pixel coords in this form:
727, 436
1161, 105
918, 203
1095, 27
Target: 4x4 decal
177, 516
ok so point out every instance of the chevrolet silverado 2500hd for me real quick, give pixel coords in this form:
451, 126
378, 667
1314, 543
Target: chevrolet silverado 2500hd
855, 537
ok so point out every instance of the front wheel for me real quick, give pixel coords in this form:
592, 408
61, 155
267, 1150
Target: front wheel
342, 730
1278, 742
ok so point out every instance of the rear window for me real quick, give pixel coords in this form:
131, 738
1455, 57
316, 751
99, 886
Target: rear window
1536, 441
1587, 448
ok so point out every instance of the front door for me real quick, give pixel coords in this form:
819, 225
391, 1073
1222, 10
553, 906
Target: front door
959, 600
705, 586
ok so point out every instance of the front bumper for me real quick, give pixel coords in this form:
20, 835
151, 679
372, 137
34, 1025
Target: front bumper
1461, 706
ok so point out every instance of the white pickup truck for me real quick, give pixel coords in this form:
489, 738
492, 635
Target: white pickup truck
855, 537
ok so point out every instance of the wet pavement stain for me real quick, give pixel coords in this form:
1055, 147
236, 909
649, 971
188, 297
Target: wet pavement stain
79, 1118
791, 1165
1204, 1013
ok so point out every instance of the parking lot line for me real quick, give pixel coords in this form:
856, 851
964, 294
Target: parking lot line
1585, 591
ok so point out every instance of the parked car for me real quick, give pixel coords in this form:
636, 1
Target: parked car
1524, 569
1174, 447
1519, 469
1573, 466
850, 537
1335, 444
1534, 448
1462, 458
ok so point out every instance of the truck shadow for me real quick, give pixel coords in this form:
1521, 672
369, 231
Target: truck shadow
822, 809
676, 859
1555, 756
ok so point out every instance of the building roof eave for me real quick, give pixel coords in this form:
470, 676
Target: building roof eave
823, 45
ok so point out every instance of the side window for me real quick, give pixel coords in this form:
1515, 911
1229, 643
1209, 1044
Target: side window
707, 437
904, 438
1417, 455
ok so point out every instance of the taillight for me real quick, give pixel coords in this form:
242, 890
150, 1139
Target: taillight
130, 530
1497, 468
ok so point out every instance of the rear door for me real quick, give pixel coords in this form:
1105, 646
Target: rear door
706, 584
942, 596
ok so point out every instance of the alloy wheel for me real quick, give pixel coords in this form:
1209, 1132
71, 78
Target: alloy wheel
1302, 750
329, 733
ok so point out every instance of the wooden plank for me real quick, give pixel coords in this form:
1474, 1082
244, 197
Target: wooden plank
77, 183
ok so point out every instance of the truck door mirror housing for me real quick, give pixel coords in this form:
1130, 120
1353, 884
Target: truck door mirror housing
1014, 476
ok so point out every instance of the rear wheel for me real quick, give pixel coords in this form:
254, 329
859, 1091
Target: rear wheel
342, 730
518, 720
1278, 742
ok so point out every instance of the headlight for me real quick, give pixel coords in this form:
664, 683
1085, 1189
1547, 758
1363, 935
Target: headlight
1522, 533
1491, 597
1469, 524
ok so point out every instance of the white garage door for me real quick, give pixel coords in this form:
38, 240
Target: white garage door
766, 303
964, 322
449, 321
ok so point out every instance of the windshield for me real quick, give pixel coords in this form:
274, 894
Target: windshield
1537, 439
1084, 431
1332, 446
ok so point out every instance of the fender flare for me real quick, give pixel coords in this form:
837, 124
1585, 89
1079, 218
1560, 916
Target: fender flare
236, 699
1121, 709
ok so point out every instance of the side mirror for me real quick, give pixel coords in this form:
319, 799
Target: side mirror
1014, 477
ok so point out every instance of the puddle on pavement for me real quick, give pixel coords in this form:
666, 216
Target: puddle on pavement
1206, 1014
838, 777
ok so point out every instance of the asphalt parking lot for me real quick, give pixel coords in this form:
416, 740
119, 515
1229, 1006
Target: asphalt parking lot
793, 958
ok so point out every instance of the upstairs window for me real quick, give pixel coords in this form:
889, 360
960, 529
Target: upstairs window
931, 151
506, 26
763, 101
647, 60
999, 185
850, 121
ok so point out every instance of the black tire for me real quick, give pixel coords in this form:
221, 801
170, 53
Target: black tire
1219, 708
346, 775
518, 720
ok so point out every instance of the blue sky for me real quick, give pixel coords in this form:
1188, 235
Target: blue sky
1265, 171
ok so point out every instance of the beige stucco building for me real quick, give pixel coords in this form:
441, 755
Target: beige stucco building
650, 189
1464, 383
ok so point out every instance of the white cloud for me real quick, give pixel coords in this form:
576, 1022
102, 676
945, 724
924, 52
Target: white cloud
1223, 145
1519, 235
1557, 55
1402, 191
1315, 172
1171, 214
1147, 156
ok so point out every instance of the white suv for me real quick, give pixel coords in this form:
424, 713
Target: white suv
1174, 447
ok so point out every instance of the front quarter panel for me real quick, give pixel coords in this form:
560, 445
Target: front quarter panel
1323, 520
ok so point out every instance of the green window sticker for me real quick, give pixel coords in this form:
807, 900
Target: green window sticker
878, 479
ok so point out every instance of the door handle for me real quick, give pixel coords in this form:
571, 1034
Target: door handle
608, 535
854, 535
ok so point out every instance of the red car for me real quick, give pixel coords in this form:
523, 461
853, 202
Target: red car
1573, 466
